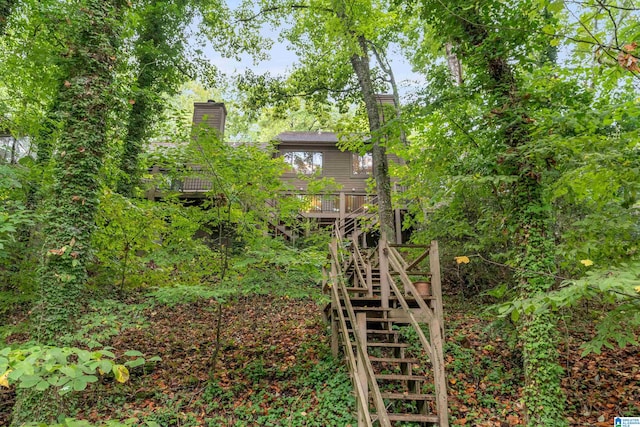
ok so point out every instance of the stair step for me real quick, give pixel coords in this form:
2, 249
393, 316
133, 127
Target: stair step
388, 344
414, 417
400, 377
393, 359
356, 309
377, 332
408, 396
380, 319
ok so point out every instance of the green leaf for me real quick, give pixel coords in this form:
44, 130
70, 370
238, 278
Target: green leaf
107, 353
133, 353
28, 381
136, 362
72, 371
79, 384
42, 385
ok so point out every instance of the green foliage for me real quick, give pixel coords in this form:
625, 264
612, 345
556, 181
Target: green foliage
13, 212
66, 369
103, 319
127, 230
72, 422
616, 288
183, 294
271, 267
323, 381
140, 243
245, 177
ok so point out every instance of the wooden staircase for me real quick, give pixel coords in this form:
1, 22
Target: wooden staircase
390, 334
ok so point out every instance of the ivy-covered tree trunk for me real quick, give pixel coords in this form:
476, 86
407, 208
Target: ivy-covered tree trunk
84, 100
530, 218
543, 397
487, 55
158, 48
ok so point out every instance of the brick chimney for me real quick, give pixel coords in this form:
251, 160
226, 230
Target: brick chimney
212, 113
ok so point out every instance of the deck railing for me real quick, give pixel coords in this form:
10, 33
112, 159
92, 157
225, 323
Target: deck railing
336, 205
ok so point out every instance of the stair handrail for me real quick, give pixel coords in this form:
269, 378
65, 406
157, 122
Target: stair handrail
433, 348
381, 410
353, 365
354, 215
358, 261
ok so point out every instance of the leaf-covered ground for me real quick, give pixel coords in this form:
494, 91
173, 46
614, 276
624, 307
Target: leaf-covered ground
274, 369
485, 374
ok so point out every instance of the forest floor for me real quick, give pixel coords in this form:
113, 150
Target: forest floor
274, 368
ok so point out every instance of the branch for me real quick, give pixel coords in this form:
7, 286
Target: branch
279, 8
613, 21
608, 6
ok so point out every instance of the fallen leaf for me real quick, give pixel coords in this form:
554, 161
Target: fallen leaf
4, 379
121, 373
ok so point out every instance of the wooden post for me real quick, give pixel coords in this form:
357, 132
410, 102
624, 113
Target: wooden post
436, 284
335, 305
354, 233
398, 227
439, 376
385, 291
369, 280
361, 324
343, 210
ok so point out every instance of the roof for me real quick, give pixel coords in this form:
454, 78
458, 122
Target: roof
314, 137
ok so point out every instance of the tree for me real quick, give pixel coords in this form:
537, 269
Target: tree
343, 37
159, 50
85, 98
498, 149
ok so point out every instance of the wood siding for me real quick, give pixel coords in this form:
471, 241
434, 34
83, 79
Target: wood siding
336, 164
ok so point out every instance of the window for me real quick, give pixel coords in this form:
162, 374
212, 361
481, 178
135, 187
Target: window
361, 165
304, 162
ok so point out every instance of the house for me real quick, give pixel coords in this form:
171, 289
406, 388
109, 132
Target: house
310, 156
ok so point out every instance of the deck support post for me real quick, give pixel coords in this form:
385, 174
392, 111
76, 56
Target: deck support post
398, 219
436, 285
335, 306
369, 280
385, 290
361, 324
342, 212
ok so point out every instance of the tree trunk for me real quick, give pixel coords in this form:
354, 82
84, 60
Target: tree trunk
84, 101
455, 67
6, 7
360, 64
535, 262
84, 104
146, 103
